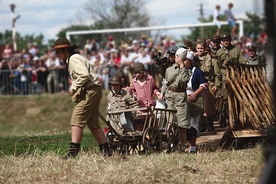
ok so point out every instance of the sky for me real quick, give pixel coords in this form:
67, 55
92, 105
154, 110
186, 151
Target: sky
48, 17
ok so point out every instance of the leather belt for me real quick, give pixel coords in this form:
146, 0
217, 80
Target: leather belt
174, 89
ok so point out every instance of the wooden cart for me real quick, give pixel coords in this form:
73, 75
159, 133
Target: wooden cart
158, 132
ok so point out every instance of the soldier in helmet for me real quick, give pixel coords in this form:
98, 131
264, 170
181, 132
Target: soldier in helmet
119, 99
254, 58
86, 91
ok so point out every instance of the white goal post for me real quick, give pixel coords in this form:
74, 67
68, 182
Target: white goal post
69, 33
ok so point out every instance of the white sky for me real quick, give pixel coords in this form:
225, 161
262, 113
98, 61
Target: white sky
50, 16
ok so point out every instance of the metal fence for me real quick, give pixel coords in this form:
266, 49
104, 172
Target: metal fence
18, 82
31, 82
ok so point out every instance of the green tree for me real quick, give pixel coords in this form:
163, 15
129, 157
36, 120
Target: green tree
254, 25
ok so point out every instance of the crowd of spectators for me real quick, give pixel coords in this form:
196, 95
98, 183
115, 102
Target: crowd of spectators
31, 72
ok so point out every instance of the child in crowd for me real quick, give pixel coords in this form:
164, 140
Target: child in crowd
120, 99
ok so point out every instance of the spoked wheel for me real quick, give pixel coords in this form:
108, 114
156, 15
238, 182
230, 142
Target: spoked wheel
110, 139
151, 140
135, 148
173, 137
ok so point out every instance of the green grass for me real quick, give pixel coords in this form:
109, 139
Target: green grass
32, 114
40, 123
27, 145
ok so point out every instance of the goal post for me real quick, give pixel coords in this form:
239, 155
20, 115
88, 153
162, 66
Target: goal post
181, 26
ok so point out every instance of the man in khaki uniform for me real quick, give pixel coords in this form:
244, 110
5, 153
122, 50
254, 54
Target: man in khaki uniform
228, 53
86, 91
177, 77
254, 58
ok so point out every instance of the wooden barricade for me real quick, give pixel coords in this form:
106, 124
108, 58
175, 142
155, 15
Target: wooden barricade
250, 101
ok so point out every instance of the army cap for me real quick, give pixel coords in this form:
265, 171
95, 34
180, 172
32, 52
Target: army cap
226, 36
172, 50
252, 47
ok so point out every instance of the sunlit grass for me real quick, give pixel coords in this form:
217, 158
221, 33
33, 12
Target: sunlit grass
243, 166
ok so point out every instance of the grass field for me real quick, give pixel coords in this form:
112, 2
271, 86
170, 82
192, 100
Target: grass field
35, 133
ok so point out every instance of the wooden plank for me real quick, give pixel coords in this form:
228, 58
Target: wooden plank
249, 133
264, 97
244, 100
235, 107
128, 110
268, 94
230, 109
256, 104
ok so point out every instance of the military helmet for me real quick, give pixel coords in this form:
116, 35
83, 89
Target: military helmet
115, 80
226, 36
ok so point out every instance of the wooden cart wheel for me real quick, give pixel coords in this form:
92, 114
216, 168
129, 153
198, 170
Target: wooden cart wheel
135, 148
173, 137
151, 140
110, 139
